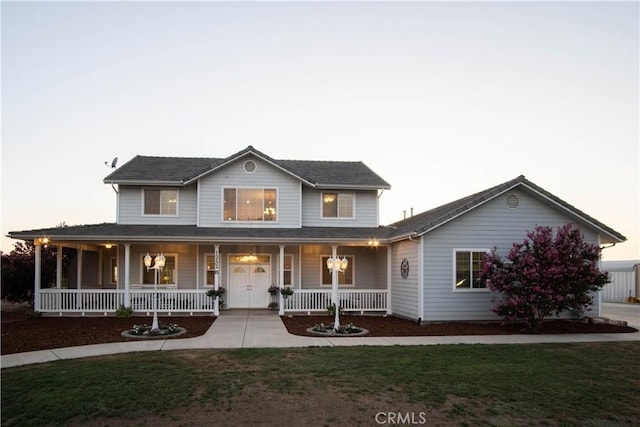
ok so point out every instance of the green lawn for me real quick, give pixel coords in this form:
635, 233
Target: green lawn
502, 385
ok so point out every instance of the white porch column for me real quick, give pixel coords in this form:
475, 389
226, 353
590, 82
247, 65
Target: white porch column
38, 276
127, 258
79, 267
100, 266
216, 278
389, 278
59, 267
281, 281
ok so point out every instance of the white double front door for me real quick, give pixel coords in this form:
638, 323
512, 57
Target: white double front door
249, 284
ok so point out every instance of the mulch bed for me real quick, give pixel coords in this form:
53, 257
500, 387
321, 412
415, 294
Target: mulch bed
21, 333
379, 326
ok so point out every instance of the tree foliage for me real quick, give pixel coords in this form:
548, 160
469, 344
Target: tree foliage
18, 270
544, 275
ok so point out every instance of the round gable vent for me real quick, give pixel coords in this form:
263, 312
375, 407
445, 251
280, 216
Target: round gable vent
512, 201
250, 166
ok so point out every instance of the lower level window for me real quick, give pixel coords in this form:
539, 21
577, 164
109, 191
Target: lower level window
344, 277
166, 276
467, 269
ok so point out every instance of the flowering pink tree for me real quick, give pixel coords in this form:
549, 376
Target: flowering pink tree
544, 275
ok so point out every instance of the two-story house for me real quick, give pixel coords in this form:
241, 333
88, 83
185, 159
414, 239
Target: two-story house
248, 222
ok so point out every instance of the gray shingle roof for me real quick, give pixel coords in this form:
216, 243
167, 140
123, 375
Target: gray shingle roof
427, 221
182, 233
416, 225
181, 170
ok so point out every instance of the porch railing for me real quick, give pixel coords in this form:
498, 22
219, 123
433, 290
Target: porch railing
107, 301
356, 300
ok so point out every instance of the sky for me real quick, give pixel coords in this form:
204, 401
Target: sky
441, 99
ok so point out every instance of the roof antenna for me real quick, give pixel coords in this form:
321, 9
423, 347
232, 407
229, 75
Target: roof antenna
113, 165
114, 162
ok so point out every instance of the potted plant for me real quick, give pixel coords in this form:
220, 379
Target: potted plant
273, 305
286, 291
216, 292
273, 289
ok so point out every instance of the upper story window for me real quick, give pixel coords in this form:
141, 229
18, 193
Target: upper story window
160, 202
250, 204
468, 264
337, 205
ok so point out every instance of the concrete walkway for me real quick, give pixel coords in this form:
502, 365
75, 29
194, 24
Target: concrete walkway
263, 329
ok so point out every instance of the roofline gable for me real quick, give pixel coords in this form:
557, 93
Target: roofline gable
250, 150
469, 203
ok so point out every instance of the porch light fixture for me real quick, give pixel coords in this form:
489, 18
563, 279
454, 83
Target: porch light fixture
337, 264
374, 243
159, 262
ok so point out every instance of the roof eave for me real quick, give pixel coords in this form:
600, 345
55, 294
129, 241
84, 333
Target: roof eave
352, 187
146, 182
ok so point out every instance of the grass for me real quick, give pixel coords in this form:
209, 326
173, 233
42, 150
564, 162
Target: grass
547, 384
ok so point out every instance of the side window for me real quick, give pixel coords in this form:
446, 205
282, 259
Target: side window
467, 269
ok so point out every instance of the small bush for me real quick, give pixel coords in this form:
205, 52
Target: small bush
124, 312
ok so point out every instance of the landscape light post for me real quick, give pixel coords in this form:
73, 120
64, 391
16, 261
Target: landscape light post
158, 264
335, 266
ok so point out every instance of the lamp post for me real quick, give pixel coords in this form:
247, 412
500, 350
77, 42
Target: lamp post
335, 266
158, 262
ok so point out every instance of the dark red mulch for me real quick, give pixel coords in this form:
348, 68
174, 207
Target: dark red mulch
21, 333
379, 326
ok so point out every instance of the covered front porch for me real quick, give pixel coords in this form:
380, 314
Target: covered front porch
104, 276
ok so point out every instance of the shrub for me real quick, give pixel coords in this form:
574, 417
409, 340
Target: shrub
544, 275
216, 292
124, 312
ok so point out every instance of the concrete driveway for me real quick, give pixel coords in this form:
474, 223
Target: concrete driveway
620, 311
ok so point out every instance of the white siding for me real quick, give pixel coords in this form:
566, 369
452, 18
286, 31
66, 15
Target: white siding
130, 201
365, 210
265, 176
405, 301
492, 224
